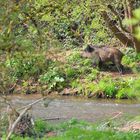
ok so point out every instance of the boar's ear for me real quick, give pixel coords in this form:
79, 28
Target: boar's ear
89, 48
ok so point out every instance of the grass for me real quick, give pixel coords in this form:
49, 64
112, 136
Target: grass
77, 130
82, 134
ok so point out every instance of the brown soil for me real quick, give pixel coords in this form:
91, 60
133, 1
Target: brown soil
58, 55
51, 134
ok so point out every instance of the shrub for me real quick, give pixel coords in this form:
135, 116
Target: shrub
108, 87
74, 58
40, 126
122, 93
26, 65
71, 72
92, 75
131, 57
54, 78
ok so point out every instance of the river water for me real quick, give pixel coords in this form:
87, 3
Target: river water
65, 108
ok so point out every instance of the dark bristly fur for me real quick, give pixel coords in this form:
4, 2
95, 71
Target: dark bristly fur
103, 54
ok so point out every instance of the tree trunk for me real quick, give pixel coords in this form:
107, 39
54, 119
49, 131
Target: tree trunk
118, 33
128, 13
137, 45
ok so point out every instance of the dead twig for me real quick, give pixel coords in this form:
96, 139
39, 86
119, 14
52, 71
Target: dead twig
49, 119
6, 101
32, 103
16, 122
26, 108
114, 117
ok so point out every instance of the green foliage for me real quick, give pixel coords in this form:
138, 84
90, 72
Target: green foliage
80, 65
119, 88
13, 137
75, 24
3, 123
25, 65
74, 58
54, 78
134, 89
92, 75
130, 57
128, 88
135, 20
71, 72
40, 126
122, 93
123, 87
82, 134
75, 130
108, 87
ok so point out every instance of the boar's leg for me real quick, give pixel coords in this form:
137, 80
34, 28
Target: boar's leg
122, 69
118, 65
96, 61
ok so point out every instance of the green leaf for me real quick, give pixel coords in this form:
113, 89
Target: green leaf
136, 14
132, 21
137, 34
47, 17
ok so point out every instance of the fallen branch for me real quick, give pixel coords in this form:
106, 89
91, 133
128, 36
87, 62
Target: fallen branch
57, 118
114, 117
16, 122
26, 108
32, 103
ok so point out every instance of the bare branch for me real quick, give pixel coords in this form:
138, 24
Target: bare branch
26, 108
31, 104
119, 18
16, 122
116, 31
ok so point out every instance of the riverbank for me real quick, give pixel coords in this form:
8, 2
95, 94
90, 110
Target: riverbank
67, 73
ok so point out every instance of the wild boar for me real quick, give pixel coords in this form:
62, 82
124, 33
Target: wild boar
103, 54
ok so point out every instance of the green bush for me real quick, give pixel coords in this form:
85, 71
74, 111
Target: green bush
74, 58
83, 134
26, 65
134, 90
92, 75
131, 57
54, 78
40, 126
122, 93
108, 87
127, 88
71, 72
